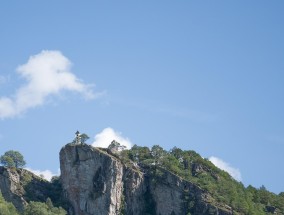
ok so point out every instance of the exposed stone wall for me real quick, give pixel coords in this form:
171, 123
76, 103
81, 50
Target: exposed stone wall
134, 192
173, 195
92, 181
20, 186
97, 183
10, 187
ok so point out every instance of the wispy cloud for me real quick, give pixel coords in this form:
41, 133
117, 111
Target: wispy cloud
46, 174
104, 138
47, 73
234, 172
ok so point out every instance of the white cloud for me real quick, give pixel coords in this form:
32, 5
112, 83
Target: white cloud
104, 138
234, 172
47, 73
47, 174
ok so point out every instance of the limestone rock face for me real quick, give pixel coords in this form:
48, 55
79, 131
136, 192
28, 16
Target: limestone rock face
9, 186
98, 183
135, 190
92, 180
173, 195
20, 186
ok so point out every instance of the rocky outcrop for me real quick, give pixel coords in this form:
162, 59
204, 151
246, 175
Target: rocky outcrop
135, 189
91, 179
98, 183
10, 187
173, 195
20, 186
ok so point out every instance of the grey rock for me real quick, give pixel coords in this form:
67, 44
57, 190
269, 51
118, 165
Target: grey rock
20, 186
11, 188
91, 180
98, 183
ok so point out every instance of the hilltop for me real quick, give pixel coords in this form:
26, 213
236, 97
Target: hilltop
140, 181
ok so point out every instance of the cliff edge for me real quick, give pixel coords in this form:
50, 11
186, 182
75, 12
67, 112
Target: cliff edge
20, 186
97, 182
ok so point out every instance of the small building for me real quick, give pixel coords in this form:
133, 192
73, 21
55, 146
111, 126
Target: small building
78, 138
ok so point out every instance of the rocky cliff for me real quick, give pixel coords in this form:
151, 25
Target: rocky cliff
91, 179
20, 186
96, 182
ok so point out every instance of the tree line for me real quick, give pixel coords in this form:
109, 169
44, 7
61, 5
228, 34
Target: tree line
192, 167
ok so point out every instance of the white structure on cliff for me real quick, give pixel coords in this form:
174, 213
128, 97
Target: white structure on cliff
78, 138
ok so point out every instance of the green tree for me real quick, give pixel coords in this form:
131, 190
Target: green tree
138, 153
264, 195
49, 203
7, 161
40, 208
158, 154
13, 159
6, 208
84, 137
116, 147
177, 153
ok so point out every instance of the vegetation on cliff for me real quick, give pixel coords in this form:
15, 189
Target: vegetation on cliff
222, 187
41, 208
13, 159
224, 191
29, 194
7, 208
33, 208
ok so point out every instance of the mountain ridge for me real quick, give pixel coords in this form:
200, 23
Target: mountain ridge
127, 184
119, 181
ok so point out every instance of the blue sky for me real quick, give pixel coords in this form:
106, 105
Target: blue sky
200, 75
